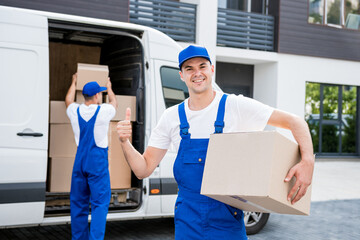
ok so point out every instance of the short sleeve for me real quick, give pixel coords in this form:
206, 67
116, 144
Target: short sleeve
254, 114
71, 111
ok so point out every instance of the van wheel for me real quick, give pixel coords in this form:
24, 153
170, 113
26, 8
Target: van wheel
255, 221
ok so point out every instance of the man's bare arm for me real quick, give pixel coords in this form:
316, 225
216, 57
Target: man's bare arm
111, 94
70, 96
303, 171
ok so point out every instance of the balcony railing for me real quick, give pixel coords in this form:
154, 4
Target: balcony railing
245, 30
175, 19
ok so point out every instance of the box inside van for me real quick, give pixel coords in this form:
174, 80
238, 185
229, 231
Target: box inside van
70, 44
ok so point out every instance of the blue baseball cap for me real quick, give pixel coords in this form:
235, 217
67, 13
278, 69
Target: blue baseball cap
192, 52
92, 88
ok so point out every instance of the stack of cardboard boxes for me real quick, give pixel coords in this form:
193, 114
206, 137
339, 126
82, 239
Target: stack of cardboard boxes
120, 172
62, 146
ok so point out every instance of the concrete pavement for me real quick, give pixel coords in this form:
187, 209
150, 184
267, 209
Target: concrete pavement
335, 207
335, 214
336, 180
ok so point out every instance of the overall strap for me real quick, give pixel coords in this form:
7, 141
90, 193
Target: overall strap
81, 120
219, 123
95, 114
184, 125
93, 117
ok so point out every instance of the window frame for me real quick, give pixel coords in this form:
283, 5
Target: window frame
336, 122
325, 16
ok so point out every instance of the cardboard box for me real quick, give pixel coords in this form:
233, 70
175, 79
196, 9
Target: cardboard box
120, 172
62, 141
79, 97
123, 103
58, 112
247, 171
60, 174
91, 72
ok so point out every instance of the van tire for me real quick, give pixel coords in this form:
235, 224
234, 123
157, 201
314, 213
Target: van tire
255, 221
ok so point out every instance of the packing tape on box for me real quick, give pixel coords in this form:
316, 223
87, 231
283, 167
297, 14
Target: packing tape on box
252, 204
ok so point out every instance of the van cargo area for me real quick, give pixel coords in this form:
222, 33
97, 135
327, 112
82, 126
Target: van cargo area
122, 52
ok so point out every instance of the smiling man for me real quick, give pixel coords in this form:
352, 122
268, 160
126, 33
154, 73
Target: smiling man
188, 127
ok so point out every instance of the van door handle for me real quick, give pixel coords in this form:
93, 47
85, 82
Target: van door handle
30, 134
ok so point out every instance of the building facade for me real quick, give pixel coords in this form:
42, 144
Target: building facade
301, 56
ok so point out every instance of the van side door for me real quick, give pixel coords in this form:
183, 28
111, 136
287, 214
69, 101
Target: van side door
23, 116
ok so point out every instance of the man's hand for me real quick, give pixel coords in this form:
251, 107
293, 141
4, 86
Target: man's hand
108, 84
303, 172
124, 129
74, 79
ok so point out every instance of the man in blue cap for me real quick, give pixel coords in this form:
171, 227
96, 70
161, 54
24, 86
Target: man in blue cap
188, 125
90, 181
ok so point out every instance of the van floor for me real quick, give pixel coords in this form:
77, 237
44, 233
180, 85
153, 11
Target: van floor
124, 199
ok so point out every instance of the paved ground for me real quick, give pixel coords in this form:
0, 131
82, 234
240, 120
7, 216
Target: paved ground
335, 214
329, 220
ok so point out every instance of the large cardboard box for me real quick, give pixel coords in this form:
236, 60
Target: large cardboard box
79, 97
62, 141
58, 112
123, 103
91, 72
247, 171
60, 174
120, 172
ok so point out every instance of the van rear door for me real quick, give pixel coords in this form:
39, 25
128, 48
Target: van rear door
23, 116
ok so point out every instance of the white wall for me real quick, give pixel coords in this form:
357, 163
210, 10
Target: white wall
266, 83
206, 24
294, 71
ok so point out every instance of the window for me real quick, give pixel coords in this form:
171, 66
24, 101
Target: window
233, 4
341, 13
352, 14
174, 89
257, 6
316, 11
333, 12
332, 115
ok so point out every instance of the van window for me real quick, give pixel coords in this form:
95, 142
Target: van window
174, 89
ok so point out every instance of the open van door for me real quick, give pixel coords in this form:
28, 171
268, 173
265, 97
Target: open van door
23, 116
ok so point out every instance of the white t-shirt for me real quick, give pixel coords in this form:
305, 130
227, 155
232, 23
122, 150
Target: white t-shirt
106, 113
242, 114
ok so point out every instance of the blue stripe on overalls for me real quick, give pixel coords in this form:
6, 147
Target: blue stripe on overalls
90, 182
198, 216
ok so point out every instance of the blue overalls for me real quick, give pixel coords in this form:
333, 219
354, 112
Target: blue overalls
197, 216
90, 182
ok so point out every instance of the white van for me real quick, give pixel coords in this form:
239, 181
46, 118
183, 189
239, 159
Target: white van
142, 62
